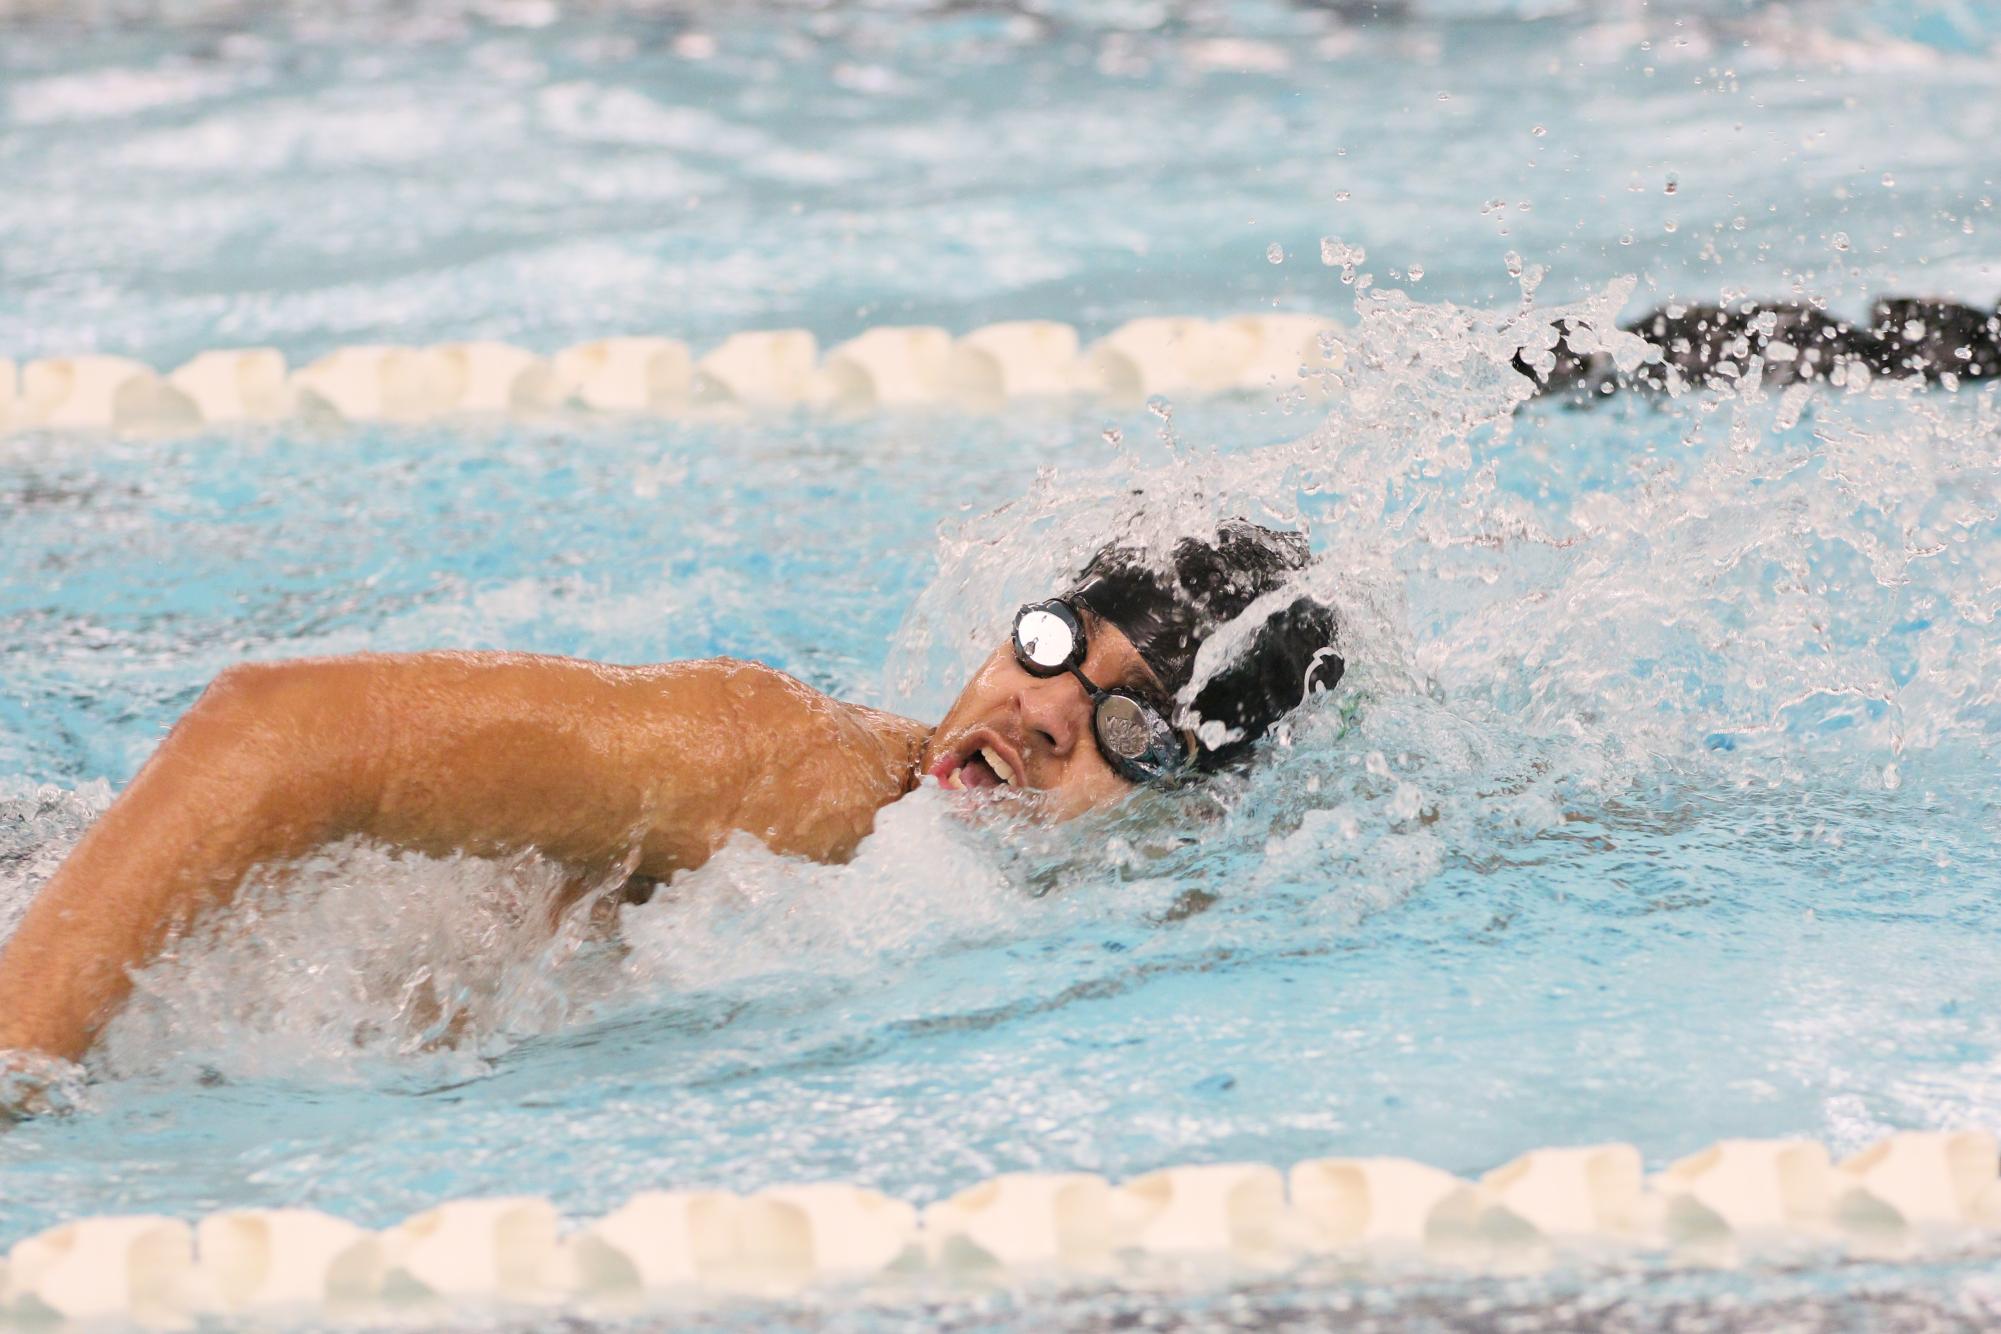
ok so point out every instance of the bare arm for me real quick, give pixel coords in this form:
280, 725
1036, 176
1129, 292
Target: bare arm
596, 766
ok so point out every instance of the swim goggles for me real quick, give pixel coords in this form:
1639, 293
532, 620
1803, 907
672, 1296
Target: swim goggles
1132, 732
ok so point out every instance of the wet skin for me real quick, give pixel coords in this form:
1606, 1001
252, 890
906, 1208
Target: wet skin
634, 771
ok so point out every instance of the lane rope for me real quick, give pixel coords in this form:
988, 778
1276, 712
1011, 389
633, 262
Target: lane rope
1779, 343
1911, 1195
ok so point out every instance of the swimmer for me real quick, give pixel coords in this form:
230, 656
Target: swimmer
647, 771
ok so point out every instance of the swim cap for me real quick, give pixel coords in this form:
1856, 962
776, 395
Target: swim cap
1167, 609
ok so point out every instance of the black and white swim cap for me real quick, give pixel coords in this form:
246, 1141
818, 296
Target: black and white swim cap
1167, 608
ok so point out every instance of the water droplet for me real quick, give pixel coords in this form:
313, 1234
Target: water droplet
1539, 131
1892, 777
1889, 181
1514, 263
1275, 253
1417, 273
1340, 196
1671, 186
1669, 225
1839, 240
1626, 239
1160, 408
1445, 97
1334, 251
1113, 435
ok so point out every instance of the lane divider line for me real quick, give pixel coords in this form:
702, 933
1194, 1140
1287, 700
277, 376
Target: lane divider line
1913, 1195
759, 371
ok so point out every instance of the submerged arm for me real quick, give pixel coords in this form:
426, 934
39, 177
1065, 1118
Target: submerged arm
598, 767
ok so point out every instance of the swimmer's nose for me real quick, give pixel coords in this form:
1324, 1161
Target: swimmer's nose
1055, 711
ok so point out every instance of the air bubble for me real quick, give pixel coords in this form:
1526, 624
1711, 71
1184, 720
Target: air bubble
1275, 253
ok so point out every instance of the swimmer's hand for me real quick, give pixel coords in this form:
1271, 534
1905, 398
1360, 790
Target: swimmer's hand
642, 769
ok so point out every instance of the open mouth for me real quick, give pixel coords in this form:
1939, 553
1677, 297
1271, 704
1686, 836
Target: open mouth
981, 768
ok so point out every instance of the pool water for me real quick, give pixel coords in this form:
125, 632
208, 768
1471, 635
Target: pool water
1659, 803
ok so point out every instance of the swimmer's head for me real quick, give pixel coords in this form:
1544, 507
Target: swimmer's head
1142, 621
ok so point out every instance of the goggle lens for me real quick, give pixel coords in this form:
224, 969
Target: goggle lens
1045, 639
1135, 739
1122, 727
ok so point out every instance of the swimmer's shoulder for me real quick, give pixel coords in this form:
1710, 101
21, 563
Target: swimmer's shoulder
777, 697
783, 717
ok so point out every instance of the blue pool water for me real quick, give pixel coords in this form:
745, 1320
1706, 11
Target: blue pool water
1660, 803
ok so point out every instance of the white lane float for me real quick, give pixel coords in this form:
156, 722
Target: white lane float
1283, 349
501, 1247
488, 377
288, 1259
137, 1267
1017, 359
658, 1241
101, 393
1519, 1213
627, 375
764, 369
894, 366
791, 1235
1023, 1220
239, 384
374, 384
1167, 356
1345, 1202
1741, 1193
1571, 1191
1227, 1209
1894, 1194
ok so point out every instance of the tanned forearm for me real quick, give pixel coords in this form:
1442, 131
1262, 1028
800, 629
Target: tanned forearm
647, 769
216, 799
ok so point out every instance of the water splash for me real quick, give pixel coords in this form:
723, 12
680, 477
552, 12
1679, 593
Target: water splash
1760, 592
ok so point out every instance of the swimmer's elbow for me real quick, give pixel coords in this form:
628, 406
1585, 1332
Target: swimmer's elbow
255, 702
300, 723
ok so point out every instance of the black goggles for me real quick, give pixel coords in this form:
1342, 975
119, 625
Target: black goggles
1133, 733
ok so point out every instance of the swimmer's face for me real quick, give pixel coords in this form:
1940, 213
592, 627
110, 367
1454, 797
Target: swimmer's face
1008, 728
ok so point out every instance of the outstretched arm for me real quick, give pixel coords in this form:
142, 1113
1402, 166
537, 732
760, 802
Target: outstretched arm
596, 766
